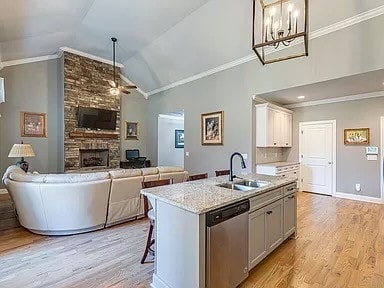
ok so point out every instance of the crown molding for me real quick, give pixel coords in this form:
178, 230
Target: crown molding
337, 100
88, 55
28, 60
129, 82
378, 11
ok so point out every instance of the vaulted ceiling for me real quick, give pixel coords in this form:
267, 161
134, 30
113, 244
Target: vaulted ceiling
160, 41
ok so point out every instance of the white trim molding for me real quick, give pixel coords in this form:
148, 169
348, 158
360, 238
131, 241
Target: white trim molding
28, 60
88, 55
358, 197
312, 35
337, 100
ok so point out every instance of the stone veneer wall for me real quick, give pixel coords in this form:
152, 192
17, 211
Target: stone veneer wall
85, 85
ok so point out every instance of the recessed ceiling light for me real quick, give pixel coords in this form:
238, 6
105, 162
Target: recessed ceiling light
300, 97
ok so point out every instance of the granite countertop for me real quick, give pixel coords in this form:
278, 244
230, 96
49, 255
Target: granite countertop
278, 164
202, 196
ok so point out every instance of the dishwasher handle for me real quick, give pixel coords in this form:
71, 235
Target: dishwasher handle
222, 214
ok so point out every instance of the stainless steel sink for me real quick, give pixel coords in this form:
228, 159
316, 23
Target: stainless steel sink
252, 183
234, 186
243, 185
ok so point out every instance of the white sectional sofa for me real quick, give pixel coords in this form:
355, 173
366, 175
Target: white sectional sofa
64, 204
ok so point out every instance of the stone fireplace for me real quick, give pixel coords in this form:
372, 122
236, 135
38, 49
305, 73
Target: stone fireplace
94, 158
85, 84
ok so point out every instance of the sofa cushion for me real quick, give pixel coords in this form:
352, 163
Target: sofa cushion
124, 173
24, 177
149, 171
168, 169
10, 169
75, 178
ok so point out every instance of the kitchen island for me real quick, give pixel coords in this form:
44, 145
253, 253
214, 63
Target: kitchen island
181, 228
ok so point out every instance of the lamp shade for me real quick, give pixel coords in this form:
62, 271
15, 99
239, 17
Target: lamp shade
21, 150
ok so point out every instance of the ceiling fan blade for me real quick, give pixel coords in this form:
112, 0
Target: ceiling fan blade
129, 86
112, 83
123, 90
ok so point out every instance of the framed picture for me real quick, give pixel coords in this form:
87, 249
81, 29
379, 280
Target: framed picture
359, 136
212, 128
33, 124
179, 138
131, 130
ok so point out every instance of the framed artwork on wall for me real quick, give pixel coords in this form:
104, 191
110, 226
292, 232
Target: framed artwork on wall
212, 128
33, 124
179, 138
131, 130
357, 136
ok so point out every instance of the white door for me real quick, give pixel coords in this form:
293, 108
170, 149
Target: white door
317, 156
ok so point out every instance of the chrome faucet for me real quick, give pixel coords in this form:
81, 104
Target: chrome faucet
231, 176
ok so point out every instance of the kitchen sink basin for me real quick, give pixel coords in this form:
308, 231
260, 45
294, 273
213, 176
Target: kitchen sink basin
234, 186
254, 184
243, 185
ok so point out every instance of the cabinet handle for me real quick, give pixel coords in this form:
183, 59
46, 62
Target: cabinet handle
269, 212
286, 144
291, 197
274, 143
291, 189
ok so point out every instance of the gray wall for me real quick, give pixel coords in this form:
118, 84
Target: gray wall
352, 164
33, 88
168, 155
339, 54
134, 108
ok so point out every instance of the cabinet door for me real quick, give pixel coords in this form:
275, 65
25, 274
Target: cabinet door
272, 123
277, 128
257, 237
275, 234
289, 215
286, 130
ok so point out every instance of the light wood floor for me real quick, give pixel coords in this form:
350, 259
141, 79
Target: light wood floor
340, 244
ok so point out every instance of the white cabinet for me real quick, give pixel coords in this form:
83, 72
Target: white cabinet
285, 169
265, 231
273, 126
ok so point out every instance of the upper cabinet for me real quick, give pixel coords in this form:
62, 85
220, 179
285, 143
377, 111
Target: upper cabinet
273, 126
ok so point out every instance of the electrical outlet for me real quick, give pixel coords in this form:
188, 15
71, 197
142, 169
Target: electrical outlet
265, 155
358, 188
275, 155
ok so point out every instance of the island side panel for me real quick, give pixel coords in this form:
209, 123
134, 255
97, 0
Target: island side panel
180, 248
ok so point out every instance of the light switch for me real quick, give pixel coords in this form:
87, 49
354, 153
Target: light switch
187, 154
372, 157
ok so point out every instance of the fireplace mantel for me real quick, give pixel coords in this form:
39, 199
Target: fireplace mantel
100, 135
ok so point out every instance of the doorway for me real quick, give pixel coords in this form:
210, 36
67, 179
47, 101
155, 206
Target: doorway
317, 153
170, 139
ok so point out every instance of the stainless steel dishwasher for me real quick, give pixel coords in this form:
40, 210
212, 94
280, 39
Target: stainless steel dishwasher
227, 245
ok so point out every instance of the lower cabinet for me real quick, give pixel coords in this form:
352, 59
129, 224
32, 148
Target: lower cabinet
265, 231
290, 203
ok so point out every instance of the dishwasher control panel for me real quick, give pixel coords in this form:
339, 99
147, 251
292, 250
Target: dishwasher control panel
222, 214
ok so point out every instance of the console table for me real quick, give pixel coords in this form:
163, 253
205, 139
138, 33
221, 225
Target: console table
135, 164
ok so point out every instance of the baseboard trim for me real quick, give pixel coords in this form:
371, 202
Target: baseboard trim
3, 191
358, 197
158, 283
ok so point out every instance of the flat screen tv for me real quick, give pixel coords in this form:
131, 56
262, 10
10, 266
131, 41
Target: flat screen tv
95, 119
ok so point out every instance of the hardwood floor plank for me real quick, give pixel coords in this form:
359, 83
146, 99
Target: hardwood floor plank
340, 244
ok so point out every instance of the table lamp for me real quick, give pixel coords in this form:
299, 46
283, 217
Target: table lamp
22, 150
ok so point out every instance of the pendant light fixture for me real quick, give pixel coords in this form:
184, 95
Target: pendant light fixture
280, 29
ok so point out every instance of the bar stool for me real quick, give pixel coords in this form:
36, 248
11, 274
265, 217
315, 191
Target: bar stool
150, 213
221, 172
198, 177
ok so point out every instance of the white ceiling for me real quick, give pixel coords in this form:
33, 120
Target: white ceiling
160, 41
352, 85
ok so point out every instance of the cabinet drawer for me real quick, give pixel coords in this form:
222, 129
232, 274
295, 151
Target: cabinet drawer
291, 188
262, 200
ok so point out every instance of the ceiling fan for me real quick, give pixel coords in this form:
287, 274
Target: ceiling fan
116, 88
